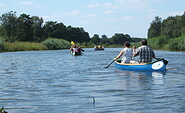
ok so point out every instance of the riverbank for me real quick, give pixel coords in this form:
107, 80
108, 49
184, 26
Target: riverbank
158, 43
48, 44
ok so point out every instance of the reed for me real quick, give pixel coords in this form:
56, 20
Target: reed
174, 44
23, 46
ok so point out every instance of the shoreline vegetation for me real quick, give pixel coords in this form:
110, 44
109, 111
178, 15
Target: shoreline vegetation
28, 33
177, 44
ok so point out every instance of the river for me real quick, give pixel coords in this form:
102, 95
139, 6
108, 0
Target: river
54, 81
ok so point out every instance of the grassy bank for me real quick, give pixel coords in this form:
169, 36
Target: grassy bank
22, 46
48, 44
173, 44
159, 43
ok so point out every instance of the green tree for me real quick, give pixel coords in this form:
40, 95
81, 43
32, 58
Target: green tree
171, 27
155, 28
104, 40
183, 24
38, 32
59, 31
25, 28
49, 28
95, 39
8, 23
77, 34
120, 38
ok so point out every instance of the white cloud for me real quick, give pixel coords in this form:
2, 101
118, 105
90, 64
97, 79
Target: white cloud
175, 13
132, 4
127, 18
91, 15
110, 5
26, 2
54, 17
83, 22
2, 5
74, 13
93, 5
151, 16
109, 12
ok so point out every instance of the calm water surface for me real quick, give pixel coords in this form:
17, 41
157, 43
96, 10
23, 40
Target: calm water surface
57, 82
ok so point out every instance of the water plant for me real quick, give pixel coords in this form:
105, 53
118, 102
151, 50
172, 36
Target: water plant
2, 110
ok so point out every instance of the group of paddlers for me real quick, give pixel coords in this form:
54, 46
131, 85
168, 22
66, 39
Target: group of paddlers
144, 52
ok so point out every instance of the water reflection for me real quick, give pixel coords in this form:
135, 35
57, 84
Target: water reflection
144, 78
156, 77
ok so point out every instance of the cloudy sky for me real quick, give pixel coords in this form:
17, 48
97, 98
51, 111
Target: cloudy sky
100, 17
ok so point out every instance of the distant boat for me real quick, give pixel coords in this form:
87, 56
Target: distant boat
99, 47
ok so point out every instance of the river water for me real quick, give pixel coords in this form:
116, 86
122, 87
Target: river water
57, 82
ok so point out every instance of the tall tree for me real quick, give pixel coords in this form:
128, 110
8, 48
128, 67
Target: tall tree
25, 28
171, 27
155, 28
95, 39
38, 32
120, 38
104, 39
77, 34
8, 23
49, 28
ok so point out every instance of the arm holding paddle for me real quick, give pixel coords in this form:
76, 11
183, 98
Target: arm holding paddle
119, 55
115, 59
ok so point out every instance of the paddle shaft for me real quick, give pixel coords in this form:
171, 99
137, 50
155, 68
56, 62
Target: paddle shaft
109, 64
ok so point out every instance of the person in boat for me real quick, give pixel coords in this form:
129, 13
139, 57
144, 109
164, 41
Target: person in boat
144, 52
127, 53
76, 48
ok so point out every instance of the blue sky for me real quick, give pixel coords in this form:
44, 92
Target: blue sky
100, 17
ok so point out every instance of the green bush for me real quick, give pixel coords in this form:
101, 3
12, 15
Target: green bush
54, 43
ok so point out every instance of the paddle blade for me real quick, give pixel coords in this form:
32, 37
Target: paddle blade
106, 67
165, 62
109, 64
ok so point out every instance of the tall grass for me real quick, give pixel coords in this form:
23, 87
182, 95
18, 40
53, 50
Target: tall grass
177, 44
23, 46
157, 42
1, 43
174, 44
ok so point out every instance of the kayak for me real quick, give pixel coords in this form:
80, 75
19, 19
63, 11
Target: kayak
159, 65
76, 53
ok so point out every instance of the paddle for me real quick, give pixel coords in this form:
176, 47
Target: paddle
165, 61
109, 64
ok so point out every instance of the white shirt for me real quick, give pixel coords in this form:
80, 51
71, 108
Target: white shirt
127, 55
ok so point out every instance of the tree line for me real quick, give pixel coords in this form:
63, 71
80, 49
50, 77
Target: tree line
26, 28
168, 33
32, 29
170, 27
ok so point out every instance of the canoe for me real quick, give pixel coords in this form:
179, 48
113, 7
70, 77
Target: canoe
76, 53
98, 48
159, 65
